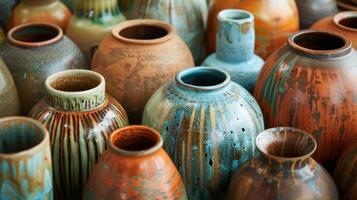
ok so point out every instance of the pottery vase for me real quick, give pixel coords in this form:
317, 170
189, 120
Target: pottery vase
235, 48
79, 116
135, 166
25, 160
208, 124
34, 51
71, 4
6, 10
137, 58
284, 169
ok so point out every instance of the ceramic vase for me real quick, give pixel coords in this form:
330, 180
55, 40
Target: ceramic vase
284, 169
275, 20
34, 51
137, 58
310, 84
25, 160
6, 10
208, 124
235, 48
71, 4
135, 167
79, 116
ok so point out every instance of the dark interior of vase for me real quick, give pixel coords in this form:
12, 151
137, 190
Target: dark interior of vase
35, 33
135, 139
203, 77
319, 41
75, 83
143, 32
236, 15
350, 22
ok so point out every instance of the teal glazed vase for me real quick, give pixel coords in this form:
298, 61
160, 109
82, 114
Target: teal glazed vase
235, 48
79, 116
25, 160
208, 124
71, 4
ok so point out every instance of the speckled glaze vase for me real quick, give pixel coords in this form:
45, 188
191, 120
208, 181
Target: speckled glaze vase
235, 48
25, 160
79, 116
310, 83
208, 124
135, 167
34, 51
284, 169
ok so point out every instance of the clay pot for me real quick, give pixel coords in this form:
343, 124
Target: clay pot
208, 124
34, 51
275, 20
25, 160
6, 11
235, 48
283, 170
135, 167
311, 84
71, 4
137, 58
79, 116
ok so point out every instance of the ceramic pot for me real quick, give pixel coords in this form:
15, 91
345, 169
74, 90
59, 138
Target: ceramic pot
135, 167
34, 51
283, 170
94, 19
6, 10
235, 48
275, 20
25, 160
310, 84
71, 4
208, 125
137, 58
79, 116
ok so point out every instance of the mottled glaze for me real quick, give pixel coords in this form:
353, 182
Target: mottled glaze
79, 116
311, 84
235, 48
137, 58
208, 124
25, 160
34, 51
284, 169
135, 167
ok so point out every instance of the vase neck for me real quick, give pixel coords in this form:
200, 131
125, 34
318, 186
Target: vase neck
97, 9
38, 2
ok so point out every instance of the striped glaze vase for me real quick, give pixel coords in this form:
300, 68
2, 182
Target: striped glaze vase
208, 124
79, 116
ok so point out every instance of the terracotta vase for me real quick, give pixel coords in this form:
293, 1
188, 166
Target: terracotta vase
79, 116
34, 51
310, 83
135, 167
283, 170
235, 48
275, 20
208, 124
25, 160
137, 58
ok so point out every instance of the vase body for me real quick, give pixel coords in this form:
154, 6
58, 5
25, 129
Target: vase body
275, 20
71, 4
208, 125
52, 51
283, 170
235, 48
25, 160
137, 58
6, 11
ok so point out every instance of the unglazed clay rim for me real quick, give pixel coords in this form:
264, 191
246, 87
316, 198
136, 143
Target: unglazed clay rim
223, 16
344, 15
31, 150
147, 22
146, 152
12, 40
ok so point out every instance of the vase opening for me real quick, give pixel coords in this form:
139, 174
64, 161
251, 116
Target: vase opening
143, 32
234, 14
346, 20
75, 82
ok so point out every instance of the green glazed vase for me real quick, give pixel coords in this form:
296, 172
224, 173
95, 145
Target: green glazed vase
71, 4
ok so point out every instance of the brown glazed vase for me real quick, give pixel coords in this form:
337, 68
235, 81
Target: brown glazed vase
135, 167
137, 58
283, 170
310, 83
275, 20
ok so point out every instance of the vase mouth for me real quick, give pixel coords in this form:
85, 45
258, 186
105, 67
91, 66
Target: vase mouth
235, 15
135, 140
346, 20
35, 34
143, 31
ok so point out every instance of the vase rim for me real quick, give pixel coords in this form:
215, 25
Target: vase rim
235, 15
345, 15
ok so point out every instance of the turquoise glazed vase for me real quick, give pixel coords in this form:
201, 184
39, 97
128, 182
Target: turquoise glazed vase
208, 124
25, 160
79, 117
235, 48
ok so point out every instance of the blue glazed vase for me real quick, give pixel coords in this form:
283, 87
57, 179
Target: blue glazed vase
235, 48
208, 124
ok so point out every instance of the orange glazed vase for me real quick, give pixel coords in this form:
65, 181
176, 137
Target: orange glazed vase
275, 20
135, 167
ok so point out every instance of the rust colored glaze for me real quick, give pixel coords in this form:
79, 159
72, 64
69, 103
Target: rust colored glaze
135, 167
